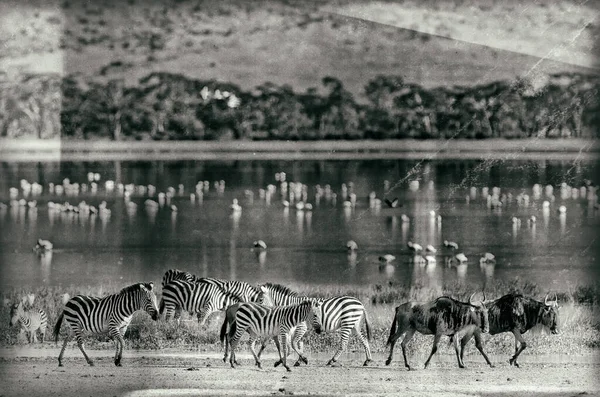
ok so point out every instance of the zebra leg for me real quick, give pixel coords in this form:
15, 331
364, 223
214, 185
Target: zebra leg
365, 344
62, 351
232, 345
299, 345
82, 348
284, 342
407, 337
256, 358
42, 333
33, 337
345, 335
120, 343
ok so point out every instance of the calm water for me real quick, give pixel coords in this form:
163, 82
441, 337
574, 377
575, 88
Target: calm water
206, 238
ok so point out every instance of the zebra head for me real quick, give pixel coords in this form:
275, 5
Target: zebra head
316, 306
148, 300
264, 297
16, 312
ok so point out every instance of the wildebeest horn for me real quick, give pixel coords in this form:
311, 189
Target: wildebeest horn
471, 298
483, 296
546, 300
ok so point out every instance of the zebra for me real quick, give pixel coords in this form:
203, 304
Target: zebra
195, 297
246, 292
263, 321
30, 321
337, 313
176, 274
112, 313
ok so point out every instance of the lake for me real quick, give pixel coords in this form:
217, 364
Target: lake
207, 238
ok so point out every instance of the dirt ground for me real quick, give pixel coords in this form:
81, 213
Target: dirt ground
32, 372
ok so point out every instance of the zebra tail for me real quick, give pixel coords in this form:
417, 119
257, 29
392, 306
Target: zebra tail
393, 328
161, 309
223, 331
57, 327
368, 325
232, 329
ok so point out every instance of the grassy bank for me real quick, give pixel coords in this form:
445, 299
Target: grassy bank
579, 319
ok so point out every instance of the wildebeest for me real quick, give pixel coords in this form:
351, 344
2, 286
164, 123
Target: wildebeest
443, 316
517, 314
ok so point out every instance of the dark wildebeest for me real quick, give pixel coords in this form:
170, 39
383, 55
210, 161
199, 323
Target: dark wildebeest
517, 314
443, 316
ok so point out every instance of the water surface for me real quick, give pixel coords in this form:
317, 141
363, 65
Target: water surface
304, 247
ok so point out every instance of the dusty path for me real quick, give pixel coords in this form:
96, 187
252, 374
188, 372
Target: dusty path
153, 374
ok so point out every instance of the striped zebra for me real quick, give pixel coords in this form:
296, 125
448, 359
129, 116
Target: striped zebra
195, 297
112, 313
29, 320
246, 292
263, 321
176, 274
338, 313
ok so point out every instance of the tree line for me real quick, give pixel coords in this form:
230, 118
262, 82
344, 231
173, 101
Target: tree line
166, 106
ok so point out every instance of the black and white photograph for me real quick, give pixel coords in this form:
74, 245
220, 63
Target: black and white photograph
300, 197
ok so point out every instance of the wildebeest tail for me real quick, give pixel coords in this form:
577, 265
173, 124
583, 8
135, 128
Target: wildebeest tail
393, 327
57, 327
223, 331
367, 325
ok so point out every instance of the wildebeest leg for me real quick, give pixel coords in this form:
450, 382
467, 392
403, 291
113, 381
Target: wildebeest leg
523, 345
409, 334
458, 354
394, 338
479, 347
436, 340
463, 342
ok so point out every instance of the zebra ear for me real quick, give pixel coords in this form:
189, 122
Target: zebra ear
31, 299
263, 289
150, 286
65, 298
23, 300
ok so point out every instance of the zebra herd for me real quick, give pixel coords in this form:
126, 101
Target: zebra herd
273, 311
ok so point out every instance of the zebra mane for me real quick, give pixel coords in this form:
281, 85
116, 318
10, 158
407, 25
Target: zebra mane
280, 288
136, 287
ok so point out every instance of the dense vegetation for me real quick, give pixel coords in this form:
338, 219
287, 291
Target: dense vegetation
171, 106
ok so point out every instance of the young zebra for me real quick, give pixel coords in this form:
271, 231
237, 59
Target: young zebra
29, 320
195, 297
338, 313
112, 313
263, 321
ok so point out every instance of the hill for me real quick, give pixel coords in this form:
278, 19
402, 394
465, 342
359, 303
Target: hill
293, 42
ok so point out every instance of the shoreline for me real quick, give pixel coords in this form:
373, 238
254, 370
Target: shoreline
16, 150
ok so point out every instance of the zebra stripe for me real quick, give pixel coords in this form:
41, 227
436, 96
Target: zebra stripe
173, 275
246, 292
342, 313
195, 297
176, 274
30, 321
112, 313
263, 321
